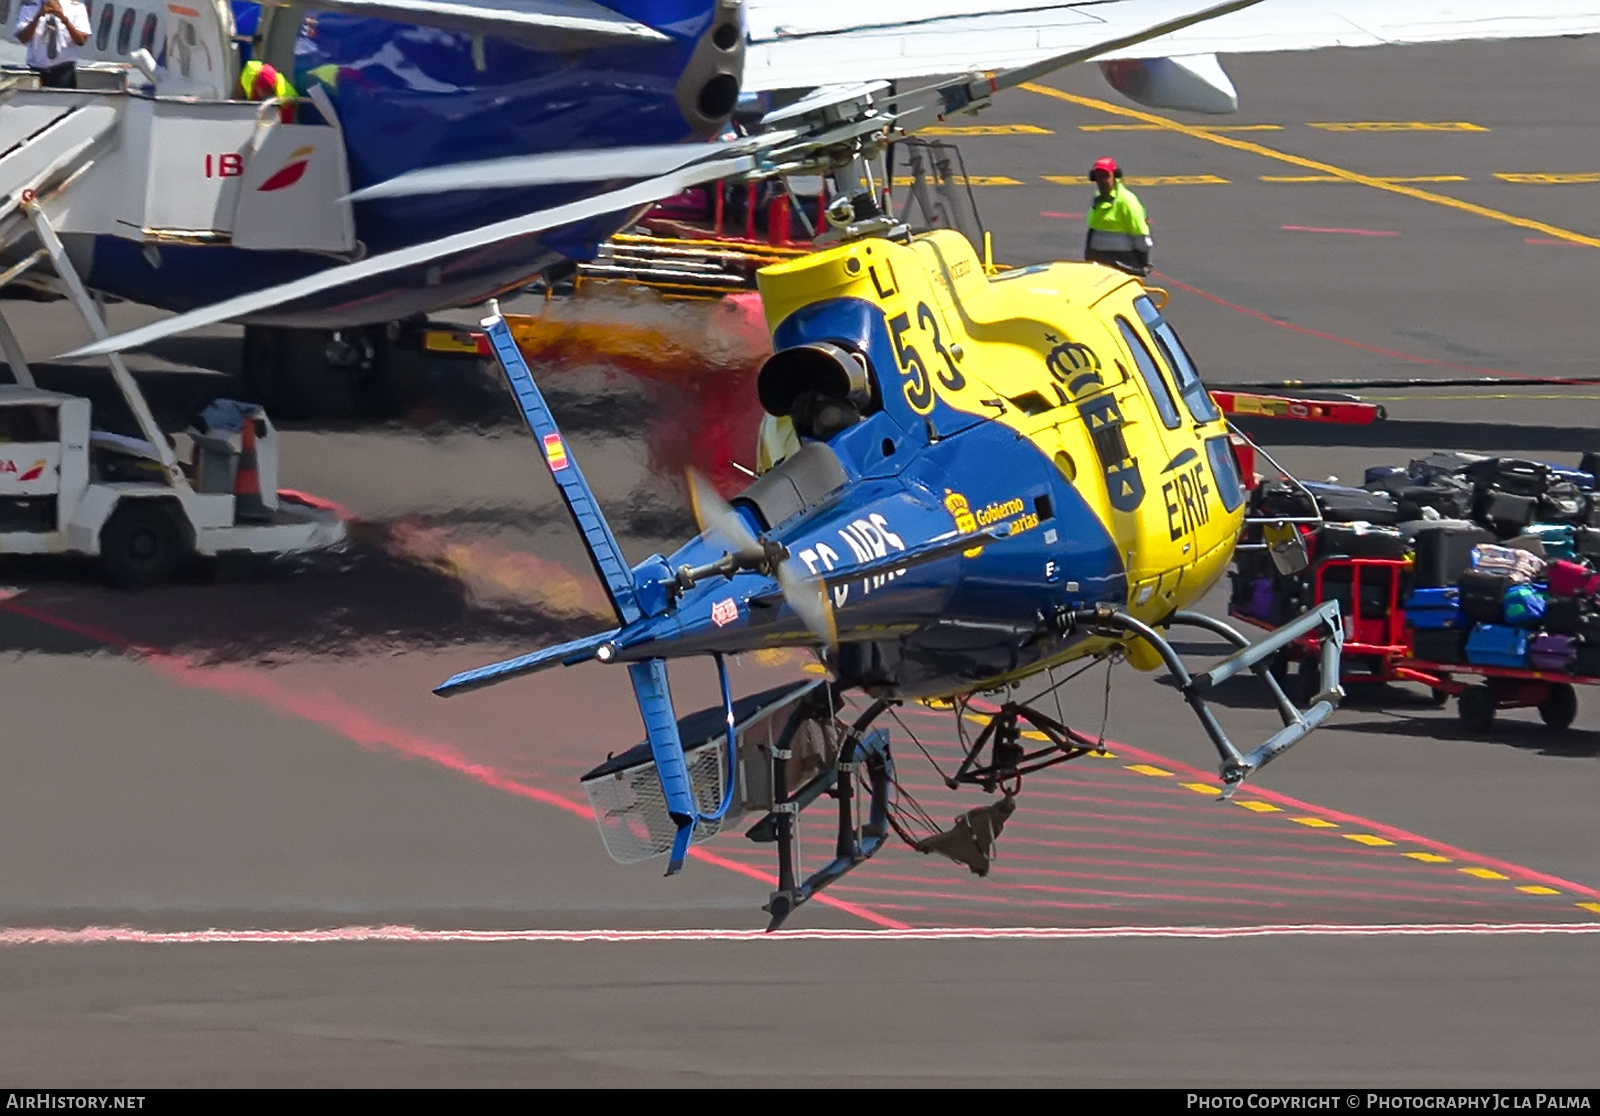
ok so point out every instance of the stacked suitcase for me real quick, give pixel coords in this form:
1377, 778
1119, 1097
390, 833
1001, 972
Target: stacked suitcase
1505, 554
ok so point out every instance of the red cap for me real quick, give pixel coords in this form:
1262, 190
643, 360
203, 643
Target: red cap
1105, 166
265, 84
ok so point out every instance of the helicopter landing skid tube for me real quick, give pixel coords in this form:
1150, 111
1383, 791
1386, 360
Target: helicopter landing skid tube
864, 751
1256, 657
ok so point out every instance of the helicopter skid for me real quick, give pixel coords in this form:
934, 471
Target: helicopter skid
862, 752
1255, 657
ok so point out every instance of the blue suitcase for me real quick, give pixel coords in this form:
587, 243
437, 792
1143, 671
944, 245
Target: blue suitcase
1498, 645
1432, 609
1524, 606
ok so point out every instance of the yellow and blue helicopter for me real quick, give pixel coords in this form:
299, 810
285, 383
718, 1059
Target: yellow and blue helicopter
996, 474
991, 475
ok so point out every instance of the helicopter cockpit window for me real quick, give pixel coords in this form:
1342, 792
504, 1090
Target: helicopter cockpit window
1195, 396
1160, 394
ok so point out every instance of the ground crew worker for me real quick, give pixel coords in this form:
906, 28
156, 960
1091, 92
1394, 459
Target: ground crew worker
1119, 232
261, 81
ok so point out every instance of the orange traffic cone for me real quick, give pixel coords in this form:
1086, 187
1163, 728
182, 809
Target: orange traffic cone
247, 503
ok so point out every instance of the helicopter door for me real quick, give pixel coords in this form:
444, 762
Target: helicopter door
1179, 502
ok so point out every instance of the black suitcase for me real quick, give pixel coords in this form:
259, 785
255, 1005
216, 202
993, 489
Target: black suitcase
1441, 645
1446, 463
1563, 615
1449, 496
1587, 541
1374, 592
1508, 513
1340, 504
1351, 541
1511, 475
1563, 502
1588, 663
1483, 596
1444, 553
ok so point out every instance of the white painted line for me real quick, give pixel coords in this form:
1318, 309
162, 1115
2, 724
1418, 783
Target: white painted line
97, 935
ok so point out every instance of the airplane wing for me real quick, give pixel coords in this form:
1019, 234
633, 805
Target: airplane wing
801, 44
547, 24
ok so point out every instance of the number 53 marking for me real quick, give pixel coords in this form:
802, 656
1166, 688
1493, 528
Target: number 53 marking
917, 387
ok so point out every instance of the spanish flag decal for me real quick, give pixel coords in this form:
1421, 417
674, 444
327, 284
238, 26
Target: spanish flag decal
555, 452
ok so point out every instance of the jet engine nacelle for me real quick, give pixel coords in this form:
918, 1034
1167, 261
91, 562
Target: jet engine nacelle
1191, 83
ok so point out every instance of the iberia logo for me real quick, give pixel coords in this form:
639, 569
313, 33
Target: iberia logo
292, 171
555, 452
32, 472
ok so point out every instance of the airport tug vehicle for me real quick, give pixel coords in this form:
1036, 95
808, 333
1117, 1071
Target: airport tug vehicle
990, 477
66, 488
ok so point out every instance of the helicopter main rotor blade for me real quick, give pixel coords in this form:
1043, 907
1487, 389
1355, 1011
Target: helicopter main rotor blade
566, 166
612, 201
719, 521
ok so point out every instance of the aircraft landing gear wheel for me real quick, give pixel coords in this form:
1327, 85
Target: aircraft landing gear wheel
1560, 708
1476, 708
141, 544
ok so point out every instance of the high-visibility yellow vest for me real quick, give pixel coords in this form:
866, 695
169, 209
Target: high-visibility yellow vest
248, 76
1121, 212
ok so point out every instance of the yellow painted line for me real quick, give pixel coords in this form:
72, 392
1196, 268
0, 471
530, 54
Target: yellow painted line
1366, 839
1147, 180
1146, 769
1301, 178
814, 668
1483, 873
1157, 128
1257, 806
1590, 907
1201, 788
967, 180
1397, 126
1473, 395
1547, 179
1313, 165
986, 130
1538, 889
1315, 823
1428, 858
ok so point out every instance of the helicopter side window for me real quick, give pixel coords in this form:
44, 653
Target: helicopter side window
1160, 394
1195, 396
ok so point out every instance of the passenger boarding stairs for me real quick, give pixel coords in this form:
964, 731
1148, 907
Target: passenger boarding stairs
117, 158
128, 162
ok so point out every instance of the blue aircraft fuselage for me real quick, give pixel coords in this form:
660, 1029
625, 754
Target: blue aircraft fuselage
410, 97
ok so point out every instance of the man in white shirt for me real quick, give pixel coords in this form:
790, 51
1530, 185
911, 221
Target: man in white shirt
53, 31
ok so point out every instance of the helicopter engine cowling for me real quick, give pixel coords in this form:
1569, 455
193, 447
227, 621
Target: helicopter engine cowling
1191, 83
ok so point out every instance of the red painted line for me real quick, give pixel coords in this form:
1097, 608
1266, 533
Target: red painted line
1062, 216
1257, 314
100, 935
372, 734
1550, 240
1350, 232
